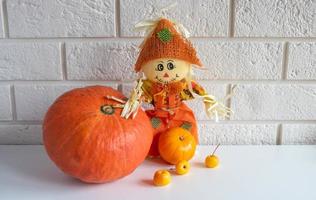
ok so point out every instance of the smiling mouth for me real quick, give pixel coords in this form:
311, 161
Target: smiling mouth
164, 81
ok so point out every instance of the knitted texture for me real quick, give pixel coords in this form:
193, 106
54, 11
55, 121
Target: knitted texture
166, 42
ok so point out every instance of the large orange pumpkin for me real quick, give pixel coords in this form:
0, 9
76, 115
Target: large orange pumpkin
87, 139
176, 144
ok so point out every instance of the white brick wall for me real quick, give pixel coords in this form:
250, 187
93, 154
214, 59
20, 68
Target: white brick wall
299, 134
21, 134
240, 60
111, 60
238, 133
274, 102
206, 18
267, 48
275, 18
302, 61
5, 103
61, 18
30, 61
1, 23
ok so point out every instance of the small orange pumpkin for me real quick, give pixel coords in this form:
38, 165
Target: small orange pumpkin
176, 144
87, 138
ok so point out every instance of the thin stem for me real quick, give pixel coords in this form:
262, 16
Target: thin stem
215, 149
172, 169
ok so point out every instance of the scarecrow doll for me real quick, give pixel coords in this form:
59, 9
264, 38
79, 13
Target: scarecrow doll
166, 58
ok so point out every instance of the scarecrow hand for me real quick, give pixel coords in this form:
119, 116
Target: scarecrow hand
133, 103
130, 108
215, 109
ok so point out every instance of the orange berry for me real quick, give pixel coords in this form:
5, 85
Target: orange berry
162, 178
211, 161
182, 167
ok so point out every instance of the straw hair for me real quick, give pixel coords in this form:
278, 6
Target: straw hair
166, 42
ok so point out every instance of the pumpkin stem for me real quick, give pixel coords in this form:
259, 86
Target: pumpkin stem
107, 109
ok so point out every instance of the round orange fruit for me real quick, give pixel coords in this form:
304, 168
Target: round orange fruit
162, 178
176, 144
183, 167
211, 161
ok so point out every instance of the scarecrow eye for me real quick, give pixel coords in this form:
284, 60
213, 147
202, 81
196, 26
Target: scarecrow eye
159, 67
170, 66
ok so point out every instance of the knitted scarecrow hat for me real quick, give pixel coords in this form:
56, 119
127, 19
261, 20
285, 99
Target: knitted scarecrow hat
166, 42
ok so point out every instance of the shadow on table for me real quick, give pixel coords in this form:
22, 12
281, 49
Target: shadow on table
146, 182
31, 167
157, 160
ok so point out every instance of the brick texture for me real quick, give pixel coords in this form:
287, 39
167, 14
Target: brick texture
30, 61
240, 60
274, 102
204, 17
299, 134
101, 60
5, 103
241, 134
302, 61
275, 18
62, 18
20, 134
1, 23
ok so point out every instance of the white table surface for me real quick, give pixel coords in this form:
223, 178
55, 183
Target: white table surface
245, 172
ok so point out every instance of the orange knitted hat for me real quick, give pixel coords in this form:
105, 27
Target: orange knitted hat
166, 42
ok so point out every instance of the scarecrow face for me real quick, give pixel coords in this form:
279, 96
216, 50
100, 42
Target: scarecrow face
166, 70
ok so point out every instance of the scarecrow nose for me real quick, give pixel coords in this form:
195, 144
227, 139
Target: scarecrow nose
166, 75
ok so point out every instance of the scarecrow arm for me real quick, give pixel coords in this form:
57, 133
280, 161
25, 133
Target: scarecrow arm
212, 106
134, 101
